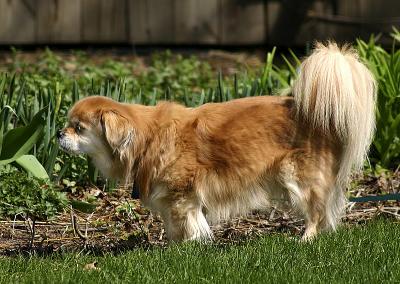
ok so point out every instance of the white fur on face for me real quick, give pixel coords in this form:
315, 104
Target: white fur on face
70, 144
90, 143
85, 143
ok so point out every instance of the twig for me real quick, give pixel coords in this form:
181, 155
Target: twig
352, 204
161, 235
13, 227
272, 215
65, 231
60, 239
32, 232
391, 213
75, 226
38, 223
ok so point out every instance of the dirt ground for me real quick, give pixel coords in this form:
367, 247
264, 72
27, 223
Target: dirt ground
120, 223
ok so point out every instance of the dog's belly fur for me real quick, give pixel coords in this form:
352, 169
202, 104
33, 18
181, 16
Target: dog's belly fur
227, 159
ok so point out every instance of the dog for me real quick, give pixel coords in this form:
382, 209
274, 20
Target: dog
196, 166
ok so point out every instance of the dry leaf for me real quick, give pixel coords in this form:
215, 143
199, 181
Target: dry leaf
91, 266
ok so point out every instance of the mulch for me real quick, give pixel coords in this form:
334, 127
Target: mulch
120, 223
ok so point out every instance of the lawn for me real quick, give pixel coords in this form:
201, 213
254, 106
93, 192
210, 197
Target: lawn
367, 253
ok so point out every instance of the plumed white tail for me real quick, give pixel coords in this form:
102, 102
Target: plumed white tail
336, 93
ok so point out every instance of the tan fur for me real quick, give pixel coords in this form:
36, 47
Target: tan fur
195, 165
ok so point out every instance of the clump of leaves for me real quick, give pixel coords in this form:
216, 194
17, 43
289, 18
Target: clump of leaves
385, 150
28, 196
176, 73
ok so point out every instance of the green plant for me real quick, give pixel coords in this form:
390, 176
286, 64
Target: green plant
275, 77
385, 66
29, 119
17, 142
29, 197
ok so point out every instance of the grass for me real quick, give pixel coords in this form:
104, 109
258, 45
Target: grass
360, 254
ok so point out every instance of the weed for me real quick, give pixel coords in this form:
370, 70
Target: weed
30, 197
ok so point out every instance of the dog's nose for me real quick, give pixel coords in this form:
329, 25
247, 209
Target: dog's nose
60, 134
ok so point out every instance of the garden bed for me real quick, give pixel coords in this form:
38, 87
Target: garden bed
121, 223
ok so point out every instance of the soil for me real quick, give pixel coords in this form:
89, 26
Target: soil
120, 223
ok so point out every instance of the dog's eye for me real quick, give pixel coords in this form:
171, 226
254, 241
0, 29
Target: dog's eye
78, 128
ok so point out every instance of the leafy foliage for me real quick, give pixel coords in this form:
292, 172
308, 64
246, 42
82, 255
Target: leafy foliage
29, 197
16, 143
386, 68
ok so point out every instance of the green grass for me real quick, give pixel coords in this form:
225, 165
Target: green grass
360, 254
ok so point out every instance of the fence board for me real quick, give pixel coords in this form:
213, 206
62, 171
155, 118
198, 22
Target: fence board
341, 20
152, 21
242, 22
196, 22
58, 21
104, 21
311, 30
285, 20
275, 22
161, 21
374, 17
347, 8
17, 21
138, 22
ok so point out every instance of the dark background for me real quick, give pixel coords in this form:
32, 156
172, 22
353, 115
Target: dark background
195, 23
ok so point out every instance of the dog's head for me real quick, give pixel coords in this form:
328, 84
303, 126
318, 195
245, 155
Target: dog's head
101, 128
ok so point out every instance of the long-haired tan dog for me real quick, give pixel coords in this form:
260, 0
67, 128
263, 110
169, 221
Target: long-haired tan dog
199, 165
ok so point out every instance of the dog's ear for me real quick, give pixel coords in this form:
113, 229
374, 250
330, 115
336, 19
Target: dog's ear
117, 130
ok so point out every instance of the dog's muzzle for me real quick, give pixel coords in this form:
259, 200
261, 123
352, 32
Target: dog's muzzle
66, 144
60, 134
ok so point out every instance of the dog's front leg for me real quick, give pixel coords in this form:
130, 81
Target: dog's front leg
184, 220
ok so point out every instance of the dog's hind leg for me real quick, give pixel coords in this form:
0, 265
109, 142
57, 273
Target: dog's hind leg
309, 207
311, 187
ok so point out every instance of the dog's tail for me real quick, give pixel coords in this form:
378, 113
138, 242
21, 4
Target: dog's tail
336, 93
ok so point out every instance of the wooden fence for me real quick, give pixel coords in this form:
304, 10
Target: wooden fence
214, 22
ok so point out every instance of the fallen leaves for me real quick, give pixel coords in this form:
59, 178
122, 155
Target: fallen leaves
91, 266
